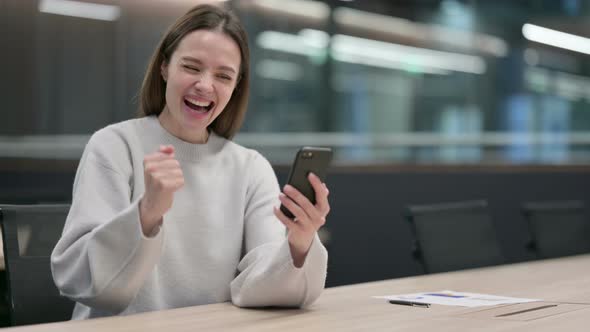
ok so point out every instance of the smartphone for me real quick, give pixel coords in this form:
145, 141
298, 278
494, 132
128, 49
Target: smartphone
308, 159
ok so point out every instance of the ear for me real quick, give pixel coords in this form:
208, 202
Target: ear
164, 71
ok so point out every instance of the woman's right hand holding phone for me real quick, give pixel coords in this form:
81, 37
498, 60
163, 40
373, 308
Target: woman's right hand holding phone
163, 177
309, 217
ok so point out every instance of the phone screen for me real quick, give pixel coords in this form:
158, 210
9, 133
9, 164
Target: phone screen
308, 159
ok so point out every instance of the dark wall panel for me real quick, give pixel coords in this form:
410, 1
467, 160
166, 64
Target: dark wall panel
370, 239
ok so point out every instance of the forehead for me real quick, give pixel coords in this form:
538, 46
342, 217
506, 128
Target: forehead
212, 47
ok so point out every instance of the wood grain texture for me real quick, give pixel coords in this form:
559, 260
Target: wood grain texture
351, 308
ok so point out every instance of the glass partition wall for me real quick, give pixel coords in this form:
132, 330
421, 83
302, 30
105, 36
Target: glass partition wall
382, 82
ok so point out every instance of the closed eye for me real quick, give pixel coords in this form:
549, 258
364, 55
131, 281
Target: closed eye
191, 68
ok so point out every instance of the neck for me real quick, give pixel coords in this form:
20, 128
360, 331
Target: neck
188, 135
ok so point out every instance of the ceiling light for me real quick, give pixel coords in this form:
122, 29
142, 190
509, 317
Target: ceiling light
556, 38
88, 10
303, 8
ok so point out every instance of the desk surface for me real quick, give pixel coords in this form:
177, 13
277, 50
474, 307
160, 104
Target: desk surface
351, 308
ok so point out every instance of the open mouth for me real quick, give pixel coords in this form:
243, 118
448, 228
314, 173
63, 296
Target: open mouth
199, 106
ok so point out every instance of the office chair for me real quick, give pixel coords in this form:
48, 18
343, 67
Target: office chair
558, 228
454, 236
30, 232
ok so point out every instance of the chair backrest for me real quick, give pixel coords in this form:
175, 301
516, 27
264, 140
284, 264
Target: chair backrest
558, 228
30, 232
454, 236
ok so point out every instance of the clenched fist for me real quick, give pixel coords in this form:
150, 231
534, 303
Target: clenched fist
163, 177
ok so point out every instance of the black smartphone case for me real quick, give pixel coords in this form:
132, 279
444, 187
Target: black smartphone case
308, 159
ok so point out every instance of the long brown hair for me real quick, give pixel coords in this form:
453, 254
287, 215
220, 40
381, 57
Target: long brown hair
152, 96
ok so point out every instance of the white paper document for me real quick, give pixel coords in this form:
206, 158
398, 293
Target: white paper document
448, 297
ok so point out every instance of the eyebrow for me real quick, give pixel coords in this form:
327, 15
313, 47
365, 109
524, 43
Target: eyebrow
197, 61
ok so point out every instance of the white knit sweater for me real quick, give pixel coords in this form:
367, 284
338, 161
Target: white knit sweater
220, 241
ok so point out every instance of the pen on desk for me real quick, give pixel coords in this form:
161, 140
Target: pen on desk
410, 303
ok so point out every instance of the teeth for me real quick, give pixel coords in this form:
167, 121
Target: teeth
199, 103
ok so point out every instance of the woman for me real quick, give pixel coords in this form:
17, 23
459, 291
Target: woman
168, 212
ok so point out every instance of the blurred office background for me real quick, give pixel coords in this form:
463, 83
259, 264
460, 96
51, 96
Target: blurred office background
382, 81
423, 101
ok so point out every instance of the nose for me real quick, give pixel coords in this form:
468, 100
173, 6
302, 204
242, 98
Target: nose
204, 83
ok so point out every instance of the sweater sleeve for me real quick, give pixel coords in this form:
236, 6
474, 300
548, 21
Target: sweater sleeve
267, 276
103, 257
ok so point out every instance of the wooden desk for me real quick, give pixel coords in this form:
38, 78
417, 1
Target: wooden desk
351, 308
